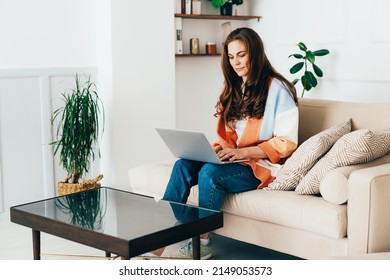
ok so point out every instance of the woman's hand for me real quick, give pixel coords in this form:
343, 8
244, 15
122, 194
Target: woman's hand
241, 153
217, 148
231, 154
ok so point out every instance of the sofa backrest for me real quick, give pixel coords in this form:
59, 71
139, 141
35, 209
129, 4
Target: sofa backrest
316, 115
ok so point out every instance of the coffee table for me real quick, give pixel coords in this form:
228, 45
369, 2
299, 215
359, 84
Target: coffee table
116, 221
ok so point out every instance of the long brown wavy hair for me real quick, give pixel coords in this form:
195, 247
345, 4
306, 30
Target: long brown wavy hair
233, 104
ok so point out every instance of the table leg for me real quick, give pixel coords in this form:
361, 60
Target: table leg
36, 236
196, 247
108, 255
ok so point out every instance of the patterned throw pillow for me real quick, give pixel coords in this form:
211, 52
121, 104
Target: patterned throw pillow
306, 155
359, 146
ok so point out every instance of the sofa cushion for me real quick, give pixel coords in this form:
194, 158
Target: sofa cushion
307, 154
353, 148
310, 213
334, 186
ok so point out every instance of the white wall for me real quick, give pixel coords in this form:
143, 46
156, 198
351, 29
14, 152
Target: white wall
143, 82
104, 81
46, 33
357, 34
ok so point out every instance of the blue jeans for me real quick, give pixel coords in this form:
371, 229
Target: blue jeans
213, 180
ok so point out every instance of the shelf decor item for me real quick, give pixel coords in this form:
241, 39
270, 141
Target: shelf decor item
211, 48
227, 28
308, 79
226, 6
194, 46
196, 7
79, 123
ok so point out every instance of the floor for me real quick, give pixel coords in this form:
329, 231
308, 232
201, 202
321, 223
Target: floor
16, 244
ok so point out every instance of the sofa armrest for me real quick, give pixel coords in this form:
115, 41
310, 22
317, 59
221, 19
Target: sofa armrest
368, 210
150, 179
334, 186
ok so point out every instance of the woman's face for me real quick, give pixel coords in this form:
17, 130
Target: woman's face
239, 58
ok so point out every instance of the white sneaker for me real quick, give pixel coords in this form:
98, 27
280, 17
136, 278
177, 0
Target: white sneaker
146, 256
185, 251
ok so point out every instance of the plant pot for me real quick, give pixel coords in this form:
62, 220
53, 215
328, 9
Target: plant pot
227, 9
68, 188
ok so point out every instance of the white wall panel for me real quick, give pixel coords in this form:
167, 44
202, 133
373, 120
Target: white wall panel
21, 146
28, 170
381, 21
1, 189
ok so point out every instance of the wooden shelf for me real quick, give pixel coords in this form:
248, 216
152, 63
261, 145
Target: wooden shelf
211, 17
217, 17
201, 54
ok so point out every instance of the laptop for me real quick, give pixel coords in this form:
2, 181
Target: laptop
191, 145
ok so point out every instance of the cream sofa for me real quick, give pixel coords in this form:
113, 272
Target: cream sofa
308, 226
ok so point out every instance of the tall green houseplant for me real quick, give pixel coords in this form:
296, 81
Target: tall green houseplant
80, 122
308, 79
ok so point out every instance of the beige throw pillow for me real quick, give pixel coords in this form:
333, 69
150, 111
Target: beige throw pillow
306, 155
353, 148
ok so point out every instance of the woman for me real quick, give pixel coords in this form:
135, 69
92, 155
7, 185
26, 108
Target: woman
257, 119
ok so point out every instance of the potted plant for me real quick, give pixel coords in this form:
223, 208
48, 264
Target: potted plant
226, 6
308, 79
79, 123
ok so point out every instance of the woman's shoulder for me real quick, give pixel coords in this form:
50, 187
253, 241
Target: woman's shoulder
279, 94
278, 86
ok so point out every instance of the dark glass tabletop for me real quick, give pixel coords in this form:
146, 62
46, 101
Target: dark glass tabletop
109, 216
115, 212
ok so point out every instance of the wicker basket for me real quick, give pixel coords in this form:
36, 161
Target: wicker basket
68, 188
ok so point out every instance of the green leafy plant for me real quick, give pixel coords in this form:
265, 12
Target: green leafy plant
308, 79
220, 3
78, 128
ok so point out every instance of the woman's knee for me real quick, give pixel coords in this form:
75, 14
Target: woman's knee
180, 163
184, 164
209, 174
